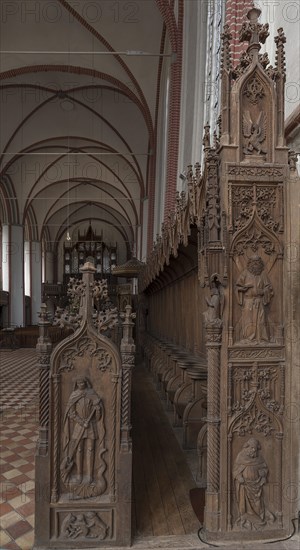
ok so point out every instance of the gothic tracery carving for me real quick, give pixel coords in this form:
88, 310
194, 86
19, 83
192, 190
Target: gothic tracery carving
254, 90
254, 419
88, 348
253, 238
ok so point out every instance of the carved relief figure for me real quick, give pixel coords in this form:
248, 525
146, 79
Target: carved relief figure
215, 302
254, 132
254, 293
250, 474
83, 441
88, 525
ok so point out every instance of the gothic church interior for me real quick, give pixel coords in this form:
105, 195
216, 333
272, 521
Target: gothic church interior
149, 283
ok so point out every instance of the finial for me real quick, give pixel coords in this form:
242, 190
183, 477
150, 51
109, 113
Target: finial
226, 37
280, 40
254, 32
43, 314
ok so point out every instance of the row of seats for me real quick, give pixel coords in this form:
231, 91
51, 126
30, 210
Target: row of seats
182, 379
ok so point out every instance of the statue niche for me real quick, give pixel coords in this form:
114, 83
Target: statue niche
254, 292
215, 302
254, 133
83, 439
250, 473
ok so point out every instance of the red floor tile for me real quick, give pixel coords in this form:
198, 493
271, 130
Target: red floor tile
5, 467
19, 479
8, 492
12, 546
5, 508
18, 529
25, 468
27, 509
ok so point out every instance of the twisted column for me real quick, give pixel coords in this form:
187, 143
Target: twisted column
127, 354
213, 345
43, 348
55, 454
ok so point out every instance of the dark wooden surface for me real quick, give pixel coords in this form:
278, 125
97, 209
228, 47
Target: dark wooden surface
161, 477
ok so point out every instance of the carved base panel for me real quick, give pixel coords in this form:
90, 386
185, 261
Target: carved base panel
83, 526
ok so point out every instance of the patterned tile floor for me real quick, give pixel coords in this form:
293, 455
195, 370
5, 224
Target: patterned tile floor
18, 403
18, 424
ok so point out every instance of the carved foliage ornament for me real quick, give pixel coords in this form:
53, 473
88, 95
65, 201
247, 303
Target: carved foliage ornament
249, 381
256, 353
253, 238
254, 419
255, 171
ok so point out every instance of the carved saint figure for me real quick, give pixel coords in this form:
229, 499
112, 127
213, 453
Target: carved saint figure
254, 132
250, 474
83, 441
215, 302
254, 293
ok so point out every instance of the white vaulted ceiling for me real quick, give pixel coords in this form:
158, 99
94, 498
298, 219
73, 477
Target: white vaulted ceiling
78, 120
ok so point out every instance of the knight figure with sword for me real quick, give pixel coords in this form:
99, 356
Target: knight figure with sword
83, 437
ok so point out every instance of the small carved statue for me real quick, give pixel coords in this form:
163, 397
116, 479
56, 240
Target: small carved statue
83, 441
254, 132
250, 474
215, 302
80, 525
254, 293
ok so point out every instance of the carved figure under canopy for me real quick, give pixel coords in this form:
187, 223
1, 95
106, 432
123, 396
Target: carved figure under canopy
83, 441
250, 473
215, 302
254, 292
254, 132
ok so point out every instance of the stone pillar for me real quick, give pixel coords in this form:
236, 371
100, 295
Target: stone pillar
49, 266
13, 277
27, 269
36, 280
212, 501
5, 257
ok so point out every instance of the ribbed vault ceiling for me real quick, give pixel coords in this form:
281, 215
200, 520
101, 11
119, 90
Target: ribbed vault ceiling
78, 120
